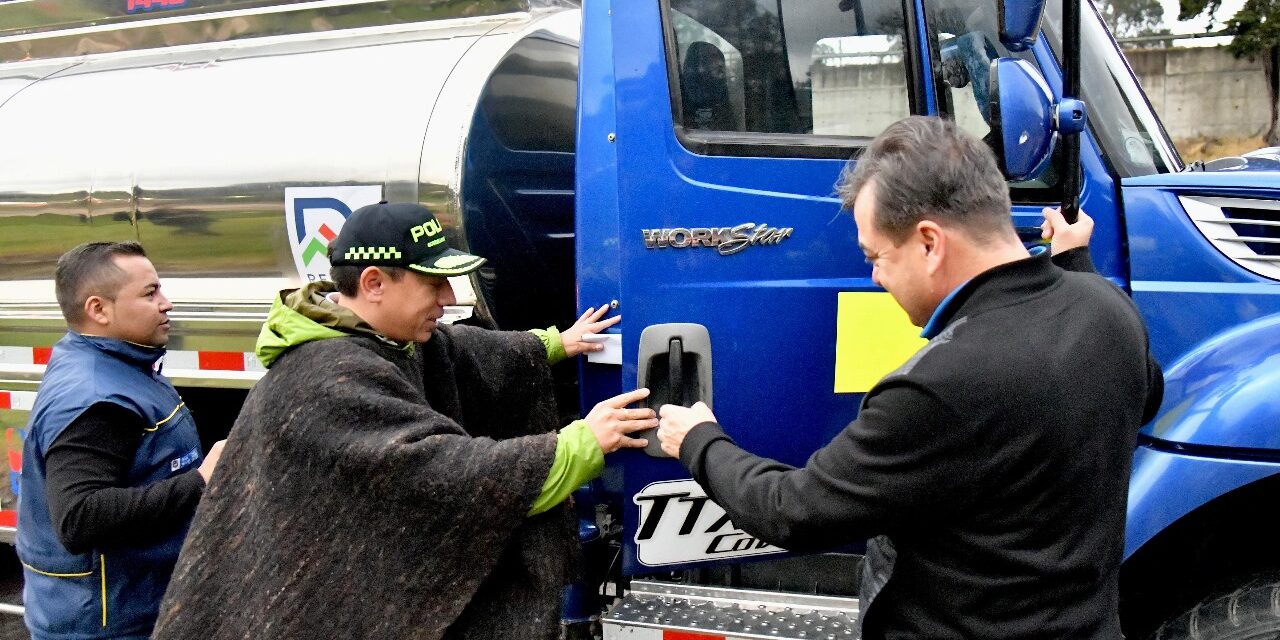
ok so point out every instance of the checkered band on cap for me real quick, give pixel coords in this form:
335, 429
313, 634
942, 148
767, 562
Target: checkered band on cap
372, 253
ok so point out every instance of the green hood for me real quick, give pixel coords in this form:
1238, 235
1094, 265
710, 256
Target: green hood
303, 315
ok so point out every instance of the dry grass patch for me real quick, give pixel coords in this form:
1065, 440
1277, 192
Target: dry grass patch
1192, 149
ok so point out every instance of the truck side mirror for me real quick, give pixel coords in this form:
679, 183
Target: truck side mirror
1024, 119
1020, 22
1020, 114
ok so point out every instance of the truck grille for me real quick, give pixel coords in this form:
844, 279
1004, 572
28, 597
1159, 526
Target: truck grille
1245, 230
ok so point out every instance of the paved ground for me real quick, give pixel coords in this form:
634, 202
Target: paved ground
11, 627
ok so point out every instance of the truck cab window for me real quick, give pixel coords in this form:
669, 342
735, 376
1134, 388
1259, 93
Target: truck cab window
822, 69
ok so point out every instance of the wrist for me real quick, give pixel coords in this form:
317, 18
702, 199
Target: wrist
557, 350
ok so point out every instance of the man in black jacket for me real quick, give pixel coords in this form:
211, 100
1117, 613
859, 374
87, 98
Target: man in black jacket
990, 471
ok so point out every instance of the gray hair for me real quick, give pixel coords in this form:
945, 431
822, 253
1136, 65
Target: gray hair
90, 270
924, 167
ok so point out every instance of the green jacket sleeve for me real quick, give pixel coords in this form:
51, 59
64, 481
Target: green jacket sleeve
554, 345
578, 460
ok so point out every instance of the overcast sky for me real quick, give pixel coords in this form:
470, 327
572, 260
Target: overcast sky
1229, 8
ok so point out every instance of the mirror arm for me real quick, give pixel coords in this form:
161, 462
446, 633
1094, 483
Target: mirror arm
1070, 130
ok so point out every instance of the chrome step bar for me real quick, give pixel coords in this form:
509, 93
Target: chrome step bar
650, 608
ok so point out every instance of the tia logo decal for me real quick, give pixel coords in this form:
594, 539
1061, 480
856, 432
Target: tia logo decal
726, 240
679, 524
314, 216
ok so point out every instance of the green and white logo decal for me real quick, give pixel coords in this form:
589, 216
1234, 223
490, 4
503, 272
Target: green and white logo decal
314, 215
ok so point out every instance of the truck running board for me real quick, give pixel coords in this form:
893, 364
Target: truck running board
664, 611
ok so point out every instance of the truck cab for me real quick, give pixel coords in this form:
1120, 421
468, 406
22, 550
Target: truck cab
727, 125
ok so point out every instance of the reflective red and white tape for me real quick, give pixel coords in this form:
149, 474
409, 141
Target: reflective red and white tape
212, 361
17, 400
173, 360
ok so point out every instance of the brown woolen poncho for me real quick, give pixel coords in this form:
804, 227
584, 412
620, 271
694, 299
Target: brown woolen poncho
372, 492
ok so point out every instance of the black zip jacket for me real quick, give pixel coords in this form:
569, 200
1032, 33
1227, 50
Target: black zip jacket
990, 470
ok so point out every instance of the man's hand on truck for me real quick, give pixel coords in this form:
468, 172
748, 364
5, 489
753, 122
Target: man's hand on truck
588, 324
611, 421
677, 421
1065, 236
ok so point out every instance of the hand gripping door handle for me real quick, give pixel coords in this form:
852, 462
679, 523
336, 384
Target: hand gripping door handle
674, 362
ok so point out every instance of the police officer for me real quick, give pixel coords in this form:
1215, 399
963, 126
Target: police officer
113, 466
394, 476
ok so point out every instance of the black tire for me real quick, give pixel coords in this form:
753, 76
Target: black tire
1250, 612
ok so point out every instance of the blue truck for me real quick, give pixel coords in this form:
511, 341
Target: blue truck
675, 159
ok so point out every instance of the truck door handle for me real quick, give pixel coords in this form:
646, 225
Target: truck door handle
675, 371
675, 364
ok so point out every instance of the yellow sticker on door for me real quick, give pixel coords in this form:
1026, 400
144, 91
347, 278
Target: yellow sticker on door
873, 337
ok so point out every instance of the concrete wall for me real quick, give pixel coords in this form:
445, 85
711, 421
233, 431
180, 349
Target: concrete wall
863, 99
859, 99
1204, 92
1197, 92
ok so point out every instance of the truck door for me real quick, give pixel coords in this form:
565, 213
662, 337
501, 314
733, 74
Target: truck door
733, 123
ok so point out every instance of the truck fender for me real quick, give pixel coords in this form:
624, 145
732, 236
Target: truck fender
1218, 429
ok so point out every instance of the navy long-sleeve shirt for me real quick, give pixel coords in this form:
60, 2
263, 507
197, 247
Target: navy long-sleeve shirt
90, 502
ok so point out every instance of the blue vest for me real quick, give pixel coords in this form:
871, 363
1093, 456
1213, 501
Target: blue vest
109, 592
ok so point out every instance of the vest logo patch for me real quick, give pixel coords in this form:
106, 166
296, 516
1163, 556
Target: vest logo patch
185, 461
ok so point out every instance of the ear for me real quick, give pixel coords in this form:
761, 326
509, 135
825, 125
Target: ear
372, 284
933, 239
98, 310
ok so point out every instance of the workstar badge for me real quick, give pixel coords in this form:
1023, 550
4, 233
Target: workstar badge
725, 240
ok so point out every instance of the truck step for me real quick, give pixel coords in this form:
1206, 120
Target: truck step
664, 611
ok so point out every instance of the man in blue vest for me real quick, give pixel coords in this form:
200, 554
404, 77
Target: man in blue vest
107, 483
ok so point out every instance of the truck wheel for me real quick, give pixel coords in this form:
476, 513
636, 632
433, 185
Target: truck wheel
1250, 612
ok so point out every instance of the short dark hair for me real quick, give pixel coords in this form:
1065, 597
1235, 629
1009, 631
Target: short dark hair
347, 276
90, 270
925, 167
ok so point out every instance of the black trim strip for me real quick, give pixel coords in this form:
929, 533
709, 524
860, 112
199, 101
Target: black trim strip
670, 49
770, 145
941, 90
1209, 450
915, 68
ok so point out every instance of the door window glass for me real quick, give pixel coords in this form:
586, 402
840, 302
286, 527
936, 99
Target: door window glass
832, 68
968, 42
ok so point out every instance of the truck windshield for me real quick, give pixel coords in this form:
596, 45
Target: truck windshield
1120, 117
